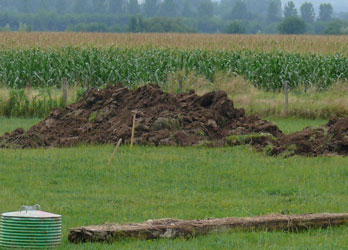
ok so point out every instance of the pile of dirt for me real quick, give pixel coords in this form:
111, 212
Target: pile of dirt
325, 140
105, 116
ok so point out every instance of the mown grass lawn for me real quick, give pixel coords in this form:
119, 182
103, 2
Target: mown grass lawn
186, 183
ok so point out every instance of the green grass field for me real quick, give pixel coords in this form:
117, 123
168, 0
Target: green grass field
186, 183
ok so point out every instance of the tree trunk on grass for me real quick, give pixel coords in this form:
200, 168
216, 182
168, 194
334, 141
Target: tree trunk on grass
171, 228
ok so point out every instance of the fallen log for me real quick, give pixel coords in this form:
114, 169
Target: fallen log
171, 228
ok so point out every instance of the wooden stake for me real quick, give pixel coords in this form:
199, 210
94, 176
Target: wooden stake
133, 130
286, 91
115, 151
65, 90
180, 85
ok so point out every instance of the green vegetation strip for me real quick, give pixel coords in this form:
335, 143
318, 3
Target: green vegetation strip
187, 183
95, 67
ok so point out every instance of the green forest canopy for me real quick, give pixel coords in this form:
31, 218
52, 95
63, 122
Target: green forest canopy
203, 16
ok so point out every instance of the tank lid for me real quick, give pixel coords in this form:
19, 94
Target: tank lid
30, 212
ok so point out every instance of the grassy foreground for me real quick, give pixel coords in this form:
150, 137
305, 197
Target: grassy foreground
186, 183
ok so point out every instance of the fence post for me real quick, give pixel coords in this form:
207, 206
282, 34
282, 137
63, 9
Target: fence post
65, 90
286, 92
180, 85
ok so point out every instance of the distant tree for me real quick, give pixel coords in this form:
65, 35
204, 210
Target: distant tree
23, 6
196, 3
336, 27
343, 15
168, 8
133, 24
141, 23
225, 7
165, 24
260, 7
117, 6
325, 12
319, 27
227, 3
133, 7
274, 13
7, 28
80, 6
208, 25
187, 10
344, 30
206, 9
43, 5
61, 6
151, 8
307, 12
292, 25
89, 27
3, 4
179, 5
235, 27
239, 11
253, 27
24, 27
290, 10
98, 6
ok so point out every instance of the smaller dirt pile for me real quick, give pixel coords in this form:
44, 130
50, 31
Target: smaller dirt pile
329, 139
105, 116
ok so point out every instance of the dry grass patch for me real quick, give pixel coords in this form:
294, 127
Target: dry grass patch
309, 103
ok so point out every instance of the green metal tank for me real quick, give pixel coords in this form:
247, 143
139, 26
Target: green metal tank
30, 228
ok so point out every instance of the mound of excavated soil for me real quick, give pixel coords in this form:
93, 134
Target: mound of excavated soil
329, 139
105, 116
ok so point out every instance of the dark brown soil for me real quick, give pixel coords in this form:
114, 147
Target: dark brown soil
105, 116
329, 139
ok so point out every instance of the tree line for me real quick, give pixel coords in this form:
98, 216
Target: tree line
206, 16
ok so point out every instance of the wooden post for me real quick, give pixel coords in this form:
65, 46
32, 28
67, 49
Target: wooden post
180, 85
133, 130
115, 151
286, 92
65, 90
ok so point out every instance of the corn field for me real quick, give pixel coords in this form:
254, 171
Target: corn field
302, 44
132, 66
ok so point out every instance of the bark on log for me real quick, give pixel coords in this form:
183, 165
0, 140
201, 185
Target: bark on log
171, 228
